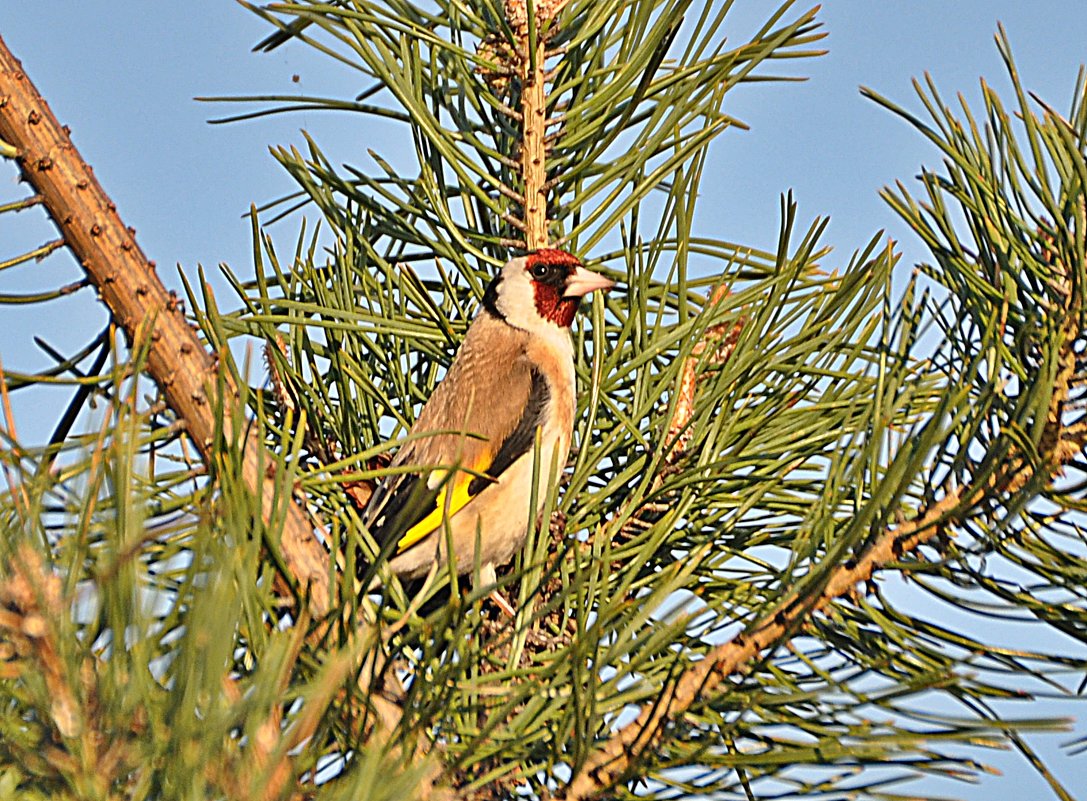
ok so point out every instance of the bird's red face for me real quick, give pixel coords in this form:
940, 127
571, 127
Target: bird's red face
558, 283
540, 291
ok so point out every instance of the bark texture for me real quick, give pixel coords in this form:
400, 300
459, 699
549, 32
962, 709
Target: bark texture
127, 283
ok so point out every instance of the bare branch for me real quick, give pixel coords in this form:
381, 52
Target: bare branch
530, 57
127, 283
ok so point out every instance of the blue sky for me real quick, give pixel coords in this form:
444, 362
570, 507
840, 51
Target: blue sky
123, 76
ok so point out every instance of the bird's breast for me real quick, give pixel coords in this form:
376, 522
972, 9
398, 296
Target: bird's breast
553, 357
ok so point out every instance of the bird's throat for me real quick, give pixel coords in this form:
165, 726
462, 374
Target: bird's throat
554, 308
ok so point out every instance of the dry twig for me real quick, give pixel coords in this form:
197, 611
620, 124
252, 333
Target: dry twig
722, 338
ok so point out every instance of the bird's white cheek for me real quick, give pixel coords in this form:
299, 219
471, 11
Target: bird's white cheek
515, 301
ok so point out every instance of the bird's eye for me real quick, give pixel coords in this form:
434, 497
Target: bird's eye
540, 270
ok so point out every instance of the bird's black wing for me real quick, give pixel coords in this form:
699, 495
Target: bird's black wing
398, 502
521, 440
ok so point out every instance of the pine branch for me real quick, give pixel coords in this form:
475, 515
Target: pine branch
1059, 445
128, 285
777, 447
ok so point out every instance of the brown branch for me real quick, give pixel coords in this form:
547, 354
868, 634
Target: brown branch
127, 283
533, 156
530, 69
185, 372
617, 757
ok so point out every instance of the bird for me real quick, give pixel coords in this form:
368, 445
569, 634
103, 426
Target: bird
473, 446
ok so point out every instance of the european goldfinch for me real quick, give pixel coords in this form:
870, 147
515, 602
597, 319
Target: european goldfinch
511, 381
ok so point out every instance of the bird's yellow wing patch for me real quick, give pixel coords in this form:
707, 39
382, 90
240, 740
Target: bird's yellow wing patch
453, 497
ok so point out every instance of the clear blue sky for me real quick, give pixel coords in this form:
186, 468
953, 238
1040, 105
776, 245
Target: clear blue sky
123, 76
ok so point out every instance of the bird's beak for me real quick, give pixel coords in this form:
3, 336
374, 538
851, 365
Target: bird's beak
583, 281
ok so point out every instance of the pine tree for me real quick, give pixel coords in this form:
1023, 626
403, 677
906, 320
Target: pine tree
766, 441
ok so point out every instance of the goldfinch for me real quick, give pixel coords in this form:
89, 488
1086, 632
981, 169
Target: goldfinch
474, 442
